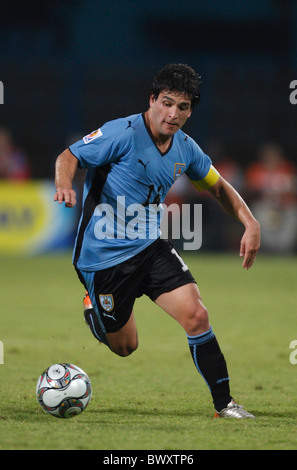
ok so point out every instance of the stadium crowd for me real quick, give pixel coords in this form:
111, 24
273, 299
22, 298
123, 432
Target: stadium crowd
267, 183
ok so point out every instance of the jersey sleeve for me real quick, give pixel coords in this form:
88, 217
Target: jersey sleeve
208, 181
201, 171
102, 146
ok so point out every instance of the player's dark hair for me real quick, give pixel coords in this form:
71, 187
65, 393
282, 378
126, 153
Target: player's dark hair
180, 78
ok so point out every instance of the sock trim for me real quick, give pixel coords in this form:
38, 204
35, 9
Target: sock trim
200, 339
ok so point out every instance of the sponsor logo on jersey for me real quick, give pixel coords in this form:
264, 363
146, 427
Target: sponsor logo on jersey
88, 138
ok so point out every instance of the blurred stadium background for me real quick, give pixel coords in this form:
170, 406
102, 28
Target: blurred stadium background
69, 66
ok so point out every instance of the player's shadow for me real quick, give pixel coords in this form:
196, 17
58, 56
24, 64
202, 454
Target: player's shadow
107, 415
120, 412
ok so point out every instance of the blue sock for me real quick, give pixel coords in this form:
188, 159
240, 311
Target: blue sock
211, 364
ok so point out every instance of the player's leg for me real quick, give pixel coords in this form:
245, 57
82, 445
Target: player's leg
124, 341
173, 288
185, 305
108, 305
112, 292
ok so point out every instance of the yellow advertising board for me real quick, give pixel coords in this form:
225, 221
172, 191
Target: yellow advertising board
31, 222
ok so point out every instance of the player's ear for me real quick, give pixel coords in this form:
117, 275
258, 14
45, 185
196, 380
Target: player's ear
152, 99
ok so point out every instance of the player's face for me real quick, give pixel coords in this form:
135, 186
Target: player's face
169, 112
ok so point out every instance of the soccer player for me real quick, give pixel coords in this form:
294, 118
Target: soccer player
131, 164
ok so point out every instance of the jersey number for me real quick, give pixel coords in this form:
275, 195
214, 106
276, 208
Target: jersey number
156, 199
184, 266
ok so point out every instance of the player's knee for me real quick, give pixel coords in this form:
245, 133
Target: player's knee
124, 341
125, 349
196, 318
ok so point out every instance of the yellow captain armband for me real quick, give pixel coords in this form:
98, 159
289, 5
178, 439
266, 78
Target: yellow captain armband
208, 181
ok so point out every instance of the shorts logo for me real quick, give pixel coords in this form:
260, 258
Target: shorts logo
88, 138
106, 302
178, 170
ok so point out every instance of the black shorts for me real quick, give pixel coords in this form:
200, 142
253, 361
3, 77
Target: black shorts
155, 270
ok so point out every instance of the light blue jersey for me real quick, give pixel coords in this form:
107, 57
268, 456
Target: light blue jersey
126, 182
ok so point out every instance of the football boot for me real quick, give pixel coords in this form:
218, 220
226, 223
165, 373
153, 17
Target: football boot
233, 410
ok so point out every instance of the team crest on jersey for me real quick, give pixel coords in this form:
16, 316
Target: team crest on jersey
178, 170
88, 138
106, 302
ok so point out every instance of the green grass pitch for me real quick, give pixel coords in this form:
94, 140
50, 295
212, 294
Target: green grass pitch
155, 398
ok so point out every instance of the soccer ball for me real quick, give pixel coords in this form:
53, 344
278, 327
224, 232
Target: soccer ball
63, 390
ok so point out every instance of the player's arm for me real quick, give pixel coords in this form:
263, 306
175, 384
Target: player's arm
235, 206
66, 165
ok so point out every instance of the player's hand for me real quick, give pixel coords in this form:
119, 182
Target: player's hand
250, 244
65, 195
